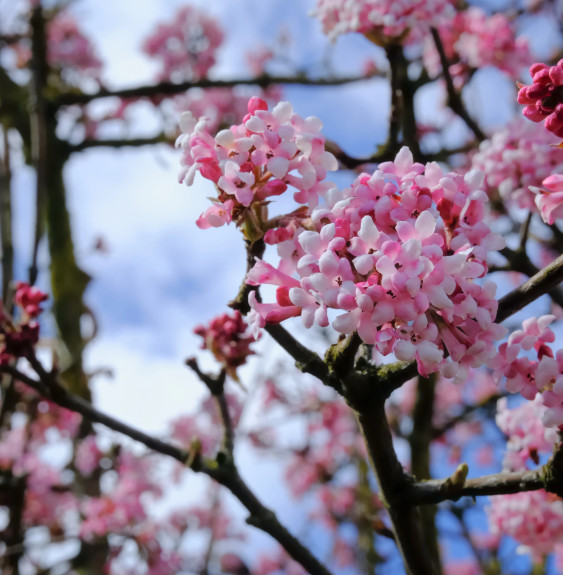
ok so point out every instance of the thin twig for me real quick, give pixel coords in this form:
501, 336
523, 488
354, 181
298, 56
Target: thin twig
216, 385
119, 143
467, 411
538, 285
454, 99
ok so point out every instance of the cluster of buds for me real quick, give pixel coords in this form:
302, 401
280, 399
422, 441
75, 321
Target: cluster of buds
543, 99
227, 338
254, 161
19, 337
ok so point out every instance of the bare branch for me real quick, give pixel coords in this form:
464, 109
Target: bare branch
437, 490
216, 386
170, 89
119, 143
454, 99
538, 285
548, 477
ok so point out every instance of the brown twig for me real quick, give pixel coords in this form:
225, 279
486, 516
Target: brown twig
538, 285
454, 99
119, 143
216, 385
548, 477
170, 89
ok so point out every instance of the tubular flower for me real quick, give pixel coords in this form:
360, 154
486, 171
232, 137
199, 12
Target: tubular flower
549, 198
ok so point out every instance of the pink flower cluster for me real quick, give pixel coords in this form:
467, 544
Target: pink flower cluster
517, 157
398, 252
120, 508
472, 39
255, 160
222, 107
543, 99
69, 50
381, 20
186, 47
18, 338
529, 375
227, 338
535, 518
527, 437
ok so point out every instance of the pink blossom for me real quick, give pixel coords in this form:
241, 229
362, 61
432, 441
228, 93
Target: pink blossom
381, 20
530, 375
69, 50
88, 455
221, 106
549, 198
516, 157
543, 99
472, 39
533, 518
257, 58
186, 46
254, 161
528, 438
121, 508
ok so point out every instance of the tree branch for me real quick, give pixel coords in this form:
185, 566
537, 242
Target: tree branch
420, 440
454, 99
119, 143
548, 477
216, 386
306, 360
393, 482
170, 89
438, 490
538, 285
520, 262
